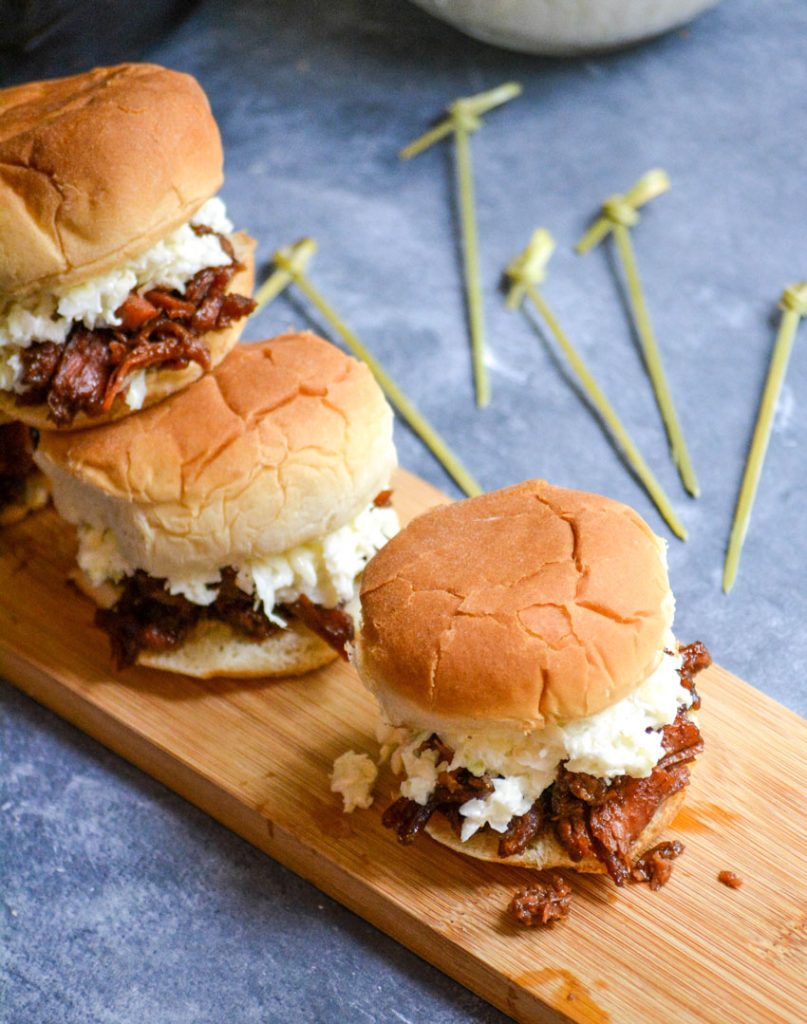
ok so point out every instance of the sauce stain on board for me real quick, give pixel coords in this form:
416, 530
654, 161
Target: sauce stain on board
571, 997
330, 821
704, 817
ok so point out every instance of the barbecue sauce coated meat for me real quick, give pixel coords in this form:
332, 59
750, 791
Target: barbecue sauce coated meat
696, 659
161, 328
521, 831
591, 817
408, 818
542, 903
655, 865
333, 625
147, 617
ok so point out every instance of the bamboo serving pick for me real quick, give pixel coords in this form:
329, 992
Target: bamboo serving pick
463, 118
299, 255
794, 307
291, 263
525, 273
618, 216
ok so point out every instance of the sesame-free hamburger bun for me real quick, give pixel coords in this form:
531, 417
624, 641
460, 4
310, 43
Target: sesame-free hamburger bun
96, 168
108, 183
286, 441
523, 607
519, 645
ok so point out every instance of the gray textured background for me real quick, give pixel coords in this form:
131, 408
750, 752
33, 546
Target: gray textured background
121, 903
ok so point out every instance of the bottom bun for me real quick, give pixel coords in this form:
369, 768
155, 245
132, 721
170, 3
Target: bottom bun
545, 852
36, 496
214, 649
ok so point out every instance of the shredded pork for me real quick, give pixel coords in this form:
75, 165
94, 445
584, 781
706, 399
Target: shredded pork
543, 903
147, 617
591, 817
161, 328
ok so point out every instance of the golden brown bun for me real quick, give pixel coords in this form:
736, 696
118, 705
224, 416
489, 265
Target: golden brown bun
35, 496
526, 606
160, 383
96, 168
214, 649
545, 852
286, 440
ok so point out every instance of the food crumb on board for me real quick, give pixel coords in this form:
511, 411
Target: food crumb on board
730, 879
543, 903
353, 777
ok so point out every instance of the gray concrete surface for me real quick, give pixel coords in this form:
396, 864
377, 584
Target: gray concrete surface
121, 903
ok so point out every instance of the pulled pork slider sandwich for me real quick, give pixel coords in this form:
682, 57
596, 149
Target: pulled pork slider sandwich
121, 280
223, 531
23, 488
520, 645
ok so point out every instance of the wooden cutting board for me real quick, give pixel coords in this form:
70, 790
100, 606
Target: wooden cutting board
256, 756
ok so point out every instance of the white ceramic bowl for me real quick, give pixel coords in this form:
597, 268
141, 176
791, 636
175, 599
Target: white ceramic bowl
564, 27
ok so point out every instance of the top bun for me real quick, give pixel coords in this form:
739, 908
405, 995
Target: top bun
284, 441
96, 168
528, 606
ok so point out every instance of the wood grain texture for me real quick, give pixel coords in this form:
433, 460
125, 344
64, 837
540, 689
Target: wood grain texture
256, 755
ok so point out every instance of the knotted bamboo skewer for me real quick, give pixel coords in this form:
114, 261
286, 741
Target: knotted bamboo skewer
794, 307
463, 118
619, 214
525, 273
